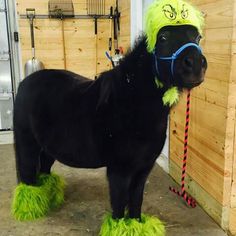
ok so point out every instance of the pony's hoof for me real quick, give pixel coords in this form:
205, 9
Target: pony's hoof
152, 226
33, 202
30, 202
56, 186
149, 226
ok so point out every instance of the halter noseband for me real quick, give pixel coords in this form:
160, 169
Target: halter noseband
174, 56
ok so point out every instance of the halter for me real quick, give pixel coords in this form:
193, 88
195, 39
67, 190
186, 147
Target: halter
174, 56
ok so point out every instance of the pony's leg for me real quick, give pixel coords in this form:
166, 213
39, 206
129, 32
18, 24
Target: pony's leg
136, 192
36, 194
30, 201
128, 188
46, 162
119, 187
54, 182
27, 156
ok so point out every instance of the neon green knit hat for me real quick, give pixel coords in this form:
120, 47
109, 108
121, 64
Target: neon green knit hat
170, 13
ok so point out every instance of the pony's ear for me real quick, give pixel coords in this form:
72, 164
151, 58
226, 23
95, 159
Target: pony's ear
104, 93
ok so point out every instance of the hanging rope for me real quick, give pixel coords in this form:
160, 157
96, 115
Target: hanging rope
189, 200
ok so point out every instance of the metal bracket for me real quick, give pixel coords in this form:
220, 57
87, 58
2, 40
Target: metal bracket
23, 16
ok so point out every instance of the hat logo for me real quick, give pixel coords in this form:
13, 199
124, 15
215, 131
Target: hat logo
184, 12
169, 12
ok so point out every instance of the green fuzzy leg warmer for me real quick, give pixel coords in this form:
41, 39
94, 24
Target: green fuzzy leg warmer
55, 188
33, 202
149, 226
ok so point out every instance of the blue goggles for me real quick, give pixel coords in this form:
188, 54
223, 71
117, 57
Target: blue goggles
174, 56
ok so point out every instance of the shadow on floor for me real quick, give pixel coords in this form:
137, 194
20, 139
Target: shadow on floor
87, 202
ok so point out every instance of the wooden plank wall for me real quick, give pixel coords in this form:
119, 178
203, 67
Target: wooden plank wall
80, 42
212, 117
124, 40
231, 126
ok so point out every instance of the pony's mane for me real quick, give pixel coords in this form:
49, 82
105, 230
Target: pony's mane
136, 52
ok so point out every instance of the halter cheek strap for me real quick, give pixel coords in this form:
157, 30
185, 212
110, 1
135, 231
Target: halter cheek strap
174, 56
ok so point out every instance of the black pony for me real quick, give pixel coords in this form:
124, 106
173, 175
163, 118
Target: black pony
118, 121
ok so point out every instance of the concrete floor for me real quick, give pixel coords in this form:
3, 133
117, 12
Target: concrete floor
87, 202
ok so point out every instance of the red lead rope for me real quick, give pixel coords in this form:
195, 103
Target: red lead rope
190, 201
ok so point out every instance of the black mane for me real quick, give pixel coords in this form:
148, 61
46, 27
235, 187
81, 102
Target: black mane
134, 75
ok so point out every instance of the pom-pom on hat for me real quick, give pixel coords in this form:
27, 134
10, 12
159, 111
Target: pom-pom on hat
170, 13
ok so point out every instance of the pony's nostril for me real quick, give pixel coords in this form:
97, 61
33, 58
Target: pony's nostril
188, 62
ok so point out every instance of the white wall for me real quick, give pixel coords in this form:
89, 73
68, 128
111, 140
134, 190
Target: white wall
136, 19
145, 5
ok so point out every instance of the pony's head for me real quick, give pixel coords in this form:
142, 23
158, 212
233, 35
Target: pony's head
173, 30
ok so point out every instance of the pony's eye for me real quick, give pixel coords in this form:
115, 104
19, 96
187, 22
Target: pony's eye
162, 38
199, 37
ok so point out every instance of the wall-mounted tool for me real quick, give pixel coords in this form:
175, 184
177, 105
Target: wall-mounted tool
116, 59
61, 9
116, 24
33, 64
96, 9
110, 38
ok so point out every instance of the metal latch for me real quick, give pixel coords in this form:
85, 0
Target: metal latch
16, 36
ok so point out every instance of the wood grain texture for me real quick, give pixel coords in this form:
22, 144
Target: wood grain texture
212, 120
205, 200
219, 13
124, 39
80, 39
231, 131
232, 220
